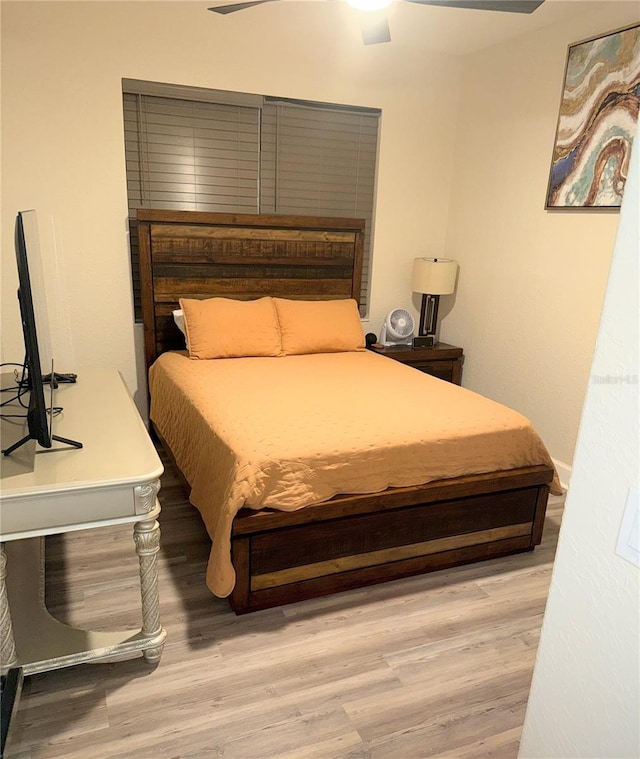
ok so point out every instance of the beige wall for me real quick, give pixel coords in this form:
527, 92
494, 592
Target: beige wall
62, 136
531, 281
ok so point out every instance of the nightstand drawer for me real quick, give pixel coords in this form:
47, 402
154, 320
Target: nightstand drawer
441, 369
442, 360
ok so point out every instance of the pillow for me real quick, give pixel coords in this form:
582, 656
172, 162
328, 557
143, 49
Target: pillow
178, 318
319, 326
226, 328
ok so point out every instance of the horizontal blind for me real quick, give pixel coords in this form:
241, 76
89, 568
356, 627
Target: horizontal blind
188, 155
320, 161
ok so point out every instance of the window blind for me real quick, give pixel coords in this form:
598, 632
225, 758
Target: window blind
320, 161
207, 150
188, 155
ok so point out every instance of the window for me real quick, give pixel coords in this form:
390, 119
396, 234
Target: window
207, 150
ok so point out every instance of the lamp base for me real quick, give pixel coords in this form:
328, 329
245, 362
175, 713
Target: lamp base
424, 341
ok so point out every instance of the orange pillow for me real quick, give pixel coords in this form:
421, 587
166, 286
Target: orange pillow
319, 326
226, 328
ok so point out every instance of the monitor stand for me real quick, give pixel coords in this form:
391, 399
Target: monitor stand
68, 443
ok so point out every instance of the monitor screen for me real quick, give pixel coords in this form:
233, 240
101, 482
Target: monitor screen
35, 326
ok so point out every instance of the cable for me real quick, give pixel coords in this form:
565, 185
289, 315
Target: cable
19, 392
17, 397
21, 388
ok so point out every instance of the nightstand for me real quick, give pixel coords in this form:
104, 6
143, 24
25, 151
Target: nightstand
443, 361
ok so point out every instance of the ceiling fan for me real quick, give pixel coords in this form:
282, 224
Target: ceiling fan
378, 31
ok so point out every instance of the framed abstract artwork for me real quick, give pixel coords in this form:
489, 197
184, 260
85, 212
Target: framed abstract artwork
597, 122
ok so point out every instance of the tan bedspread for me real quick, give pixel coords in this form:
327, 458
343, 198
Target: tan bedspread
287, 432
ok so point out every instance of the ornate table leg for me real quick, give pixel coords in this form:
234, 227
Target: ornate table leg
146, 535
8, 654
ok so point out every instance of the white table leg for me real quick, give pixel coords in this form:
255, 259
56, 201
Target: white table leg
146, 535
42, 643
8, 655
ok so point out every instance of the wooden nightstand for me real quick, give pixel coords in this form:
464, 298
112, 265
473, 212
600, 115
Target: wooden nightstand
443, 361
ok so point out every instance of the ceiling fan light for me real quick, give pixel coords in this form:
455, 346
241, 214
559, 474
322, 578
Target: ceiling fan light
369, 5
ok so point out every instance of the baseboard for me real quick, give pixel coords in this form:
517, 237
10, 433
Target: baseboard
564, 472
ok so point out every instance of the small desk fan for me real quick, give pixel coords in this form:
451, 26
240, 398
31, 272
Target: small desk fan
398, 328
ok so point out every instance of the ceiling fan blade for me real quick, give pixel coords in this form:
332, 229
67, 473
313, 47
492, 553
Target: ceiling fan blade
507, 6
224, 9
374, 31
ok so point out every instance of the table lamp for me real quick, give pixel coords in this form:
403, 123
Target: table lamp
432, 277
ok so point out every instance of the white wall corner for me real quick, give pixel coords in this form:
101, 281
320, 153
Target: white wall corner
564, 472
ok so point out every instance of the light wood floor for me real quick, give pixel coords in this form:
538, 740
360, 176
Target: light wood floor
429, 667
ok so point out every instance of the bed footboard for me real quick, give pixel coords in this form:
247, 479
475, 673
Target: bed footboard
354, 541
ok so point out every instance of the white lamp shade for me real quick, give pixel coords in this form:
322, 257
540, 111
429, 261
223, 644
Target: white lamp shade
434, 276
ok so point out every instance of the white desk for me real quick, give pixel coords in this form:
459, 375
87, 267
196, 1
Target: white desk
113, 479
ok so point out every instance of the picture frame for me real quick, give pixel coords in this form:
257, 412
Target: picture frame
597, 121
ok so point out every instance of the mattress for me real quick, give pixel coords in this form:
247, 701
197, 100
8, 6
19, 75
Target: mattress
286, 432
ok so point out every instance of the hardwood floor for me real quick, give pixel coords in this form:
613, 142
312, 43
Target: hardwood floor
433, 666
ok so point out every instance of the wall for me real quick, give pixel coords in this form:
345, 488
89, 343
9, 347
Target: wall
62, 137
531, 281
585, 696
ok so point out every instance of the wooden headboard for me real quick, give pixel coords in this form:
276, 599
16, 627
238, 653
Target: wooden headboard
194, 254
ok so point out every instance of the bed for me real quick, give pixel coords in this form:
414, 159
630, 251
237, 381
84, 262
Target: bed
317, 514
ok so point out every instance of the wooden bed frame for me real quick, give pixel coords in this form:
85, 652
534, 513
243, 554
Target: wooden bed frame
349, 541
